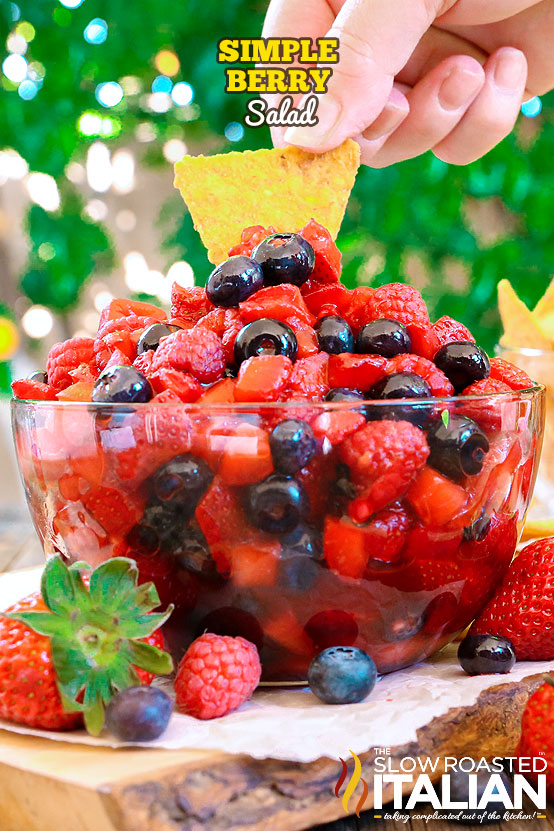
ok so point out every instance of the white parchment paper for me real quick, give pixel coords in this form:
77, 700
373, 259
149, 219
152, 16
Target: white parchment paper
293, 724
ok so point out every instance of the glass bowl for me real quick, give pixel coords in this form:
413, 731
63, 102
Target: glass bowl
293, 574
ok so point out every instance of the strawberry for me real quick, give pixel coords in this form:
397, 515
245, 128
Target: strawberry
116, 511
537, 733
26, 390
521, 610
263, 378
64, 653
435, 498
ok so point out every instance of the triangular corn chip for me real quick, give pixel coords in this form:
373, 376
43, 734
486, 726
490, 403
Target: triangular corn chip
283, 187
520, 327
545, 306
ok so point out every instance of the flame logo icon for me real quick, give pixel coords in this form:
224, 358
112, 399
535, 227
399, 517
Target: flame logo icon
355, 779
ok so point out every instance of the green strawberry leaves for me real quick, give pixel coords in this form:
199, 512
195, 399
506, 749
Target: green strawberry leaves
96, 633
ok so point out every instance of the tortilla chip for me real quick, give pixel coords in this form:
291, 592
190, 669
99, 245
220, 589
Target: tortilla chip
537, 529
284, 187
520, 327
545, 306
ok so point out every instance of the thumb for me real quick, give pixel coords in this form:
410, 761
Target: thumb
376, 38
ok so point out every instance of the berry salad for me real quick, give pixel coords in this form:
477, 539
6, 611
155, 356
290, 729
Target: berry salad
289, 461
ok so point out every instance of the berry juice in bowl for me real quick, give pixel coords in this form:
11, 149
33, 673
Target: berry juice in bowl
288, 460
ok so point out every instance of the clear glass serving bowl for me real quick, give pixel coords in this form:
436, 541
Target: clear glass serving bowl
107, 480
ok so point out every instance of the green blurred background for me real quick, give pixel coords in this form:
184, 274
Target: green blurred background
452, 232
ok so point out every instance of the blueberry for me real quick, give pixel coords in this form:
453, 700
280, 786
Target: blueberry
138, 714
232, 621
234, 281
277, 504
298, 574
478, 530
486, 655
121, 385
396, 386
183, 482
458, 448
460, 791
304, 541
334, 335
285, 258
265, 336
40, 376
342, 675
463, 363
160, 523
292, 445
344, 394
192, 553
151, 337
383, 337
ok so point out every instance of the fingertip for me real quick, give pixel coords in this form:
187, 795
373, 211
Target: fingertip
508, 69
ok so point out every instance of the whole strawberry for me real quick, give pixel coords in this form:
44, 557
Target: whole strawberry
537, 732
64, 652
217, 674
521, 610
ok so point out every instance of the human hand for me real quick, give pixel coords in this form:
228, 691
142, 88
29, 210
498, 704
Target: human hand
417, 75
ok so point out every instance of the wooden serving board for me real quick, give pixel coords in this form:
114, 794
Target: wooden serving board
48, 786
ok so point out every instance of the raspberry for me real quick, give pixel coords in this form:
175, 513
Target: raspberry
197, 351
186, 388
250, 238
357, 313
383, 457
308, 379
437, 380
448, 330
143, 362
509, 374
26, 390
217, 674
386, 535
398, 301
487, 413
189, 304
120, 333
226, 323
66, 356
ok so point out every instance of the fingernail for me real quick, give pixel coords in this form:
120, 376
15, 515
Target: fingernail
390, 117
510, 69
458, 88
328, 113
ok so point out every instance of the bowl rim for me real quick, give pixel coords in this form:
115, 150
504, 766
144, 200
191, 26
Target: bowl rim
529, 393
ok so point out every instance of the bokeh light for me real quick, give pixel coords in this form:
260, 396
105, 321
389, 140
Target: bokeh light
14, 68
167, 62
9, 338
27, 90
15, 11
532, 108
12, 165
174, 150
125, 220
97, 210
16, 44
123, 171
102, 299
234, 131
37, 322
109, 94
25, 30
96, 31
159, 102
162, 84
46, 251
182, 94
43, 191
181, 273
99, 167
72, 4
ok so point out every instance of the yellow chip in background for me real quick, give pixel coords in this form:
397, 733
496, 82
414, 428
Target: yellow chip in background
283, 187
545, 306
520, 327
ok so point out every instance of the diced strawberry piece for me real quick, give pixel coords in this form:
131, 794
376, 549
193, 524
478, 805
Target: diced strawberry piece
344, 547
427, 541
70, 488
436, 499
81, 391
318, 478
308, 380
359, 372
386, 535
335, 295
183, 386
118, 358
116, 511
222, 392
277, 302
263, 378
121, 333
84, 372
222, 520
250, 238
89, 467
287, 632
254, 562
143, 362
336, 425
166, 397
27, 390
510, 374
122, 307
226, 323
424, 340
189, 304
358, 312
247, 456
327, 267
306, 338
